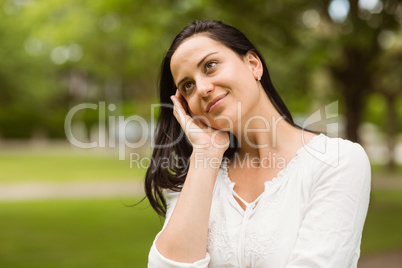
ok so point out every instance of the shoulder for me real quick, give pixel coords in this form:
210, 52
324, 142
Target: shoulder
334, 152
337, 156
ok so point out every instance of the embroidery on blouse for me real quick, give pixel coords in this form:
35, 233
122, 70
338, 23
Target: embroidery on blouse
263, 233
262, 236
219, 240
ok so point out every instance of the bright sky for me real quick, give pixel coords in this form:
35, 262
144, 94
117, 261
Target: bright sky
339, 9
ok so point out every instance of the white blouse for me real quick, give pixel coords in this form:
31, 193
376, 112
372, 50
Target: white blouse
311, 215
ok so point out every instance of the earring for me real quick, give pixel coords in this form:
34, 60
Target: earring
259, 78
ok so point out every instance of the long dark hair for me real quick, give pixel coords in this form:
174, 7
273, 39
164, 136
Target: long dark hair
169, 164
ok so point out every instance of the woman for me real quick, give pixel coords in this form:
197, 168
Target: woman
246, 187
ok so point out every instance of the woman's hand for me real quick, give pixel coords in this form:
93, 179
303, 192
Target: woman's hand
185, 236
201, 136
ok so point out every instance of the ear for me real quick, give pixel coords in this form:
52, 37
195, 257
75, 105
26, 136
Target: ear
254, 62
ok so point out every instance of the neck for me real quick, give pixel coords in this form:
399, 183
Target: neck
264, 132
260, 139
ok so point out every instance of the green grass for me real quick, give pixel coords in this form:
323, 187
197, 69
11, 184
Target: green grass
106, 233
380, 169
94, 233
382, 231
32, 166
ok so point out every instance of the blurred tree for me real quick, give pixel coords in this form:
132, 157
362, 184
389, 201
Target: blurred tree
60, 53
358, 37
347, 37
23, 82
388, 82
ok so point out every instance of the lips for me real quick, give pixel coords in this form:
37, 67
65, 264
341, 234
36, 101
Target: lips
214, 101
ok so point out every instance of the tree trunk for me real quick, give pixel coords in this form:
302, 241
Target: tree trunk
353, 112
391, 130
353, 78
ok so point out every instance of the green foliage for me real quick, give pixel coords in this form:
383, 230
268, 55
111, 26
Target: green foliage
376, 110
399, 111
61, 53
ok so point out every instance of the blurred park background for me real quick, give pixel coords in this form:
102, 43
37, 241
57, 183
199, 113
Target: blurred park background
65, 206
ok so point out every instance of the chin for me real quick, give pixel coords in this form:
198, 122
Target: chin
223, 127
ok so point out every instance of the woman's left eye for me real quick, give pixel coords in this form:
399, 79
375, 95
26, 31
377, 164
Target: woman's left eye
210, 65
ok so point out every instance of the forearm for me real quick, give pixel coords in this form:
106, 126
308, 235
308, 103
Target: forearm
185, 237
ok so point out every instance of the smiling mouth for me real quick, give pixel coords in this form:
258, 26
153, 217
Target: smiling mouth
215, 103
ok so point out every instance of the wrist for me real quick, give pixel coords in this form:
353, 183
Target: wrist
208, 152
206, 159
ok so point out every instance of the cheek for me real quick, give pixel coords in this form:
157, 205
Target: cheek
195, 110
193, 107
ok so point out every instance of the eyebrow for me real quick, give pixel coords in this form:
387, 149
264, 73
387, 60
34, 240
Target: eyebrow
198, 65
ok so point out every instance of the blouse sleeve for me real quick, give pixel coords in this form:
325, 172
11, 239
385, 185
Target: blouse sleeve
331, 230
155, 258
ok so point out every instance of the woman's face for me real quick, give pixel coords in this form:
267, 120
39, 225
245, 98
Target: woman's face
218, 84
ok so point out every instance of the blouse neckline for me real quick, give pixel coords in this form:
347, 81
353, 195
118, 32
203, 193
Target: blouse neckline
279, 176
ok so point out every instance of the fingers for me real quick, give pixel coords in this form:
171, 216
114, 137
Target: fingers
178, 110
178, 102
196, 127
183, 113
183, 102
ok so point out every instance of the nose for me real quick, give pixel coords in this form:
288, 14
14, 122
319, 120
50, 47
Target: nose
204, 86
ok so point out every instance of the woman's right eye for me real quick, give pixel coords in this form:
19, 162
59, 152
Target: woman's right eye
187, 86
